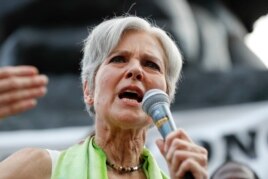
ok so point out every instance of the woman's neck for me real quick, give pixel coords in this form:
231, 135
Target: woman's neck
123, 147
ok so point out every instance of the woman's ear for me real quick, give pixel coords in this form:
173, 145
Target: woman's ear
88, 95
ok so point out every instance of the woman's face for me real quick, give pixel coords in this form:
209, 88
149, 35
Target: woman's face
136, 65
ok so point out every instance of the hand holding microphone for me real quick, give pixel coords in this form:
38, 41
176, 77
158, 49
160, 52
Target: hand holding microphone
157, 105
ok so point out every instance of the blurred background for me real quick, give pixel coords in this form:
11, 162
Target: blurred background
222, 98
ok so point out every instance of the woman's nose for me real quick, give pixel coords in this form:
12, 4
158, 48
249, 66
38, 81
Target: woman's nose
135, 71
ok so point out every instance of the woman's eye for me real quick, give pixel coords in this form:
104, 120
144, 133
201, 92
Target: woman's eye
152, 65
118, 59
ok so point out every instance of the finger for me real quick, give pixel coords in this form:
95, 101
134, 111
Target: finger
17, 95
190, 165
22, 82
180, 134
178, 144
17, 107
180, 156
17, 71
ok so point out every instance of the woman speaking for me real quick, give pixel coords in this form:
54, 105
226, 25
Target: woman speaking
124, 57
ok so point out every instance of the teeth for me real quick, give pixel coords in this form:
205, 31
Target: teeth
127, 99
135, 94
131, 91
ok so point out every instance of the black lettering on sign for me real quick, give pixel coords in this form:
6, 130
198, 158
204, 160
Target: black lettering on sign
247, 147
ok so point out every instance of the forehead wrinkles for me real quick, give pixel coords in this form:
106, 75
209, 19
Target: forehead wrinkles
151, 45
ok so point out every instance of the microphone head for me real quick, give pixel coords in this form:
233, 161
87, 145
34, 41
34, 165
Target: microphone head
154, 97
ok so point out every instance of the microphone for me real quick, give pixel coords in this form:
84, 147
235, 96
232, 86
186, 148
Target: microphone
157, 105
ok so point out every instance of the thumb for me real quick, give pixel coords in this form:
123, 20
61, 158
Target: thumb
160, 144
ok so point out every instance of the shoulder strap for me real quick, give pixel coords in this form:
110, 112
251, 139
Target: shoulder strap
54, 155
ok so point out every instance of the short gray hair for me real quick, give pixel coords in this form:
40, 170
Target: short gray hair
106, 36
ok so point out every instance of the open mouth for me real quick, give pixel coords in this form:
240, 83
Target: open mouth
131, 95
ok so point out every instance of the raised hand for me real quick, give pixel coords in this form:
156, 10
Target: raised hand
20, 86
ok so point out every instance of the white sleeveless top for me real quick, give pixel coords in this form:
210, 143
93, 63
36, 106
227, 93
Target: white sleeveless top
54, 155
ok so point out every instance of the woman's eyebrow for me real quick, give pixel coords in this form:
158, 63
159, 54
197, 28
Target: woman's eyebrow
151, 56
120, 52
